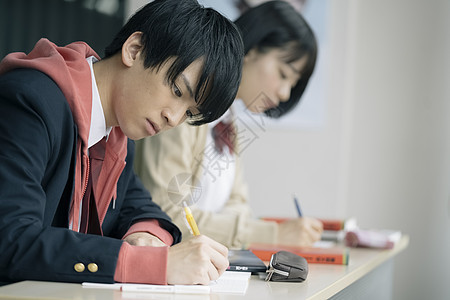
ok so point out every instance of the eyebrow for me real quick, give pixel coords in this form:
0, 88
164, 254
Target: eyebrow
188, 85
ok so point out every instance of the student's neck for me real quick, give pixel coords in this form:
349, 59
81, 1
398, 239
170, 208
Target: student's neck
238, 95
103, 71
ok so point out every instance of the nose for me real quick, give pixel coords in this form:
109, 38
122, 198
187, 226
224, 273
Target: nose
284, 92
174, 116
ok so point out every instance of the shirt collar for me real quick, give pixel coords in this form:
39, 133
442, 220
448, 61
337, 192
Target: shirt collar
227, 117
98, 128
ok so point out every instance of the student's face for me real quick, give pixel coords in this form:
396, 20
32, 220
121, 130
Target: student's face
267, 80
144, 103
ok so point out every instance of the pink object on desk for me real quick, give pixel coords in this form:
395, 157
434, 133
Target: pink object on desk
384, 239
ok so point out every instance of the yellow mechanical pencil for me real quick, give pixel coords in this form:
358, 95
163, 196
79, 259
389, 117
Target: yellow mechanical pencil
190, 220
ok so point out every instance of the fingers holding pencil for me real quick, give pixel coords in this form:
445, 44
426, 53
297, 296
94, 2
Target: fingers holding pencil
201, 258
197, 260
303, 231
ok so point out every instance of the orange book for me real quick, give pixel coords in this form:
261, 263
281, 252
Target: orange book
333, 224
336, 255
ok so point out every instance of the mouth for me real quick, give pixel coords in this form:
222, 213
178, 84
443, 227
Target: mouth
152, 128
269, 104
270, 107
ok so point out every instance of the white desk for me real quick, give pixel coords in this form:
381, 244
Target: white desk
368, 271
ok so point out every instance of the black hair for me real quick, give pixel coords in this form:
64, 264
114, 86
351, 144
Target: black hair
276, 24
186, 31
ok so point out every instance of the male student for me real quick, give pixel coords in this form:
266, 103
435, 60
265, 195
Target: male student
71, 208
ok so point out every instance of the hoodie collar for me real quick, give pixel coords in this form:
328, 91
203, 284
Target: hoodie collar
67, 66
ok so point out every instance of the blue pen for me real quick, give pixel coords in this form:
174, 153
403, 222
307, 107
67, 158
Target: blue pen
297, 205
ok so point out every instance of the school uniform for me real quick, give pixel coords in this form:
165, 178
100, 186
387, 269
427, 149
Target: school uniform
219, 193
45, 115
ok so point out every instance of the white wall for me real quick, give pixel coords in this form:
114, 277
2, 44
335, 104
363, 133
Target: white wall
383, 154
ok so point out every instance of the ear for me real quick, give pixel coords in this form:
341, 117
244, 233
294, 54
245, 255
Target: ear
131, 49
252, 54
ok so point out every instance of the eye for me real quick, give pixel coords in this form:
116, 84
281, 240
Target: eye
193, 113
282, 74
176, 90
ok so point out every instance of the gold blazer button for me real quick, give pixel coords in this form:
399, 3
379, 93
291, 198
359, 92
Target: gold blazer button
79, 267
93, 267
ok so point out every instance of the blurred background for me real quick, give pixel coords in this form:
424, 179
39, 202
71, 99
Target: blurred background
24, 22
370, 139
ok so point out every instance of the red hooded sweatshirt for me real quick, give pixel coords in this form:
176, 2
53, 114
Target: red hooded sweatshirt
67, 66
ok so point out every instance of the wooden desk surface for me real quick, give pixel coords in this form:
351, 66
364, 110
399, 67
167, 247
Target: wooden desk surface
323, 282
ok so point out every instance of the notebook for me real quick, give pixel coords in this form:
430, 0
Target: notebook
245, 261
229, 283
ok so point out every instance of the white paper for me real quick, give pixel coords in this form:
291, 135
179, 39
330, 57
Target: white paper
230, 283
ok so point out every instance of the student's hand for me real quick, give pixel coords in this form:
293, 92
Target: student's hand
143, 239
197, 260
302, 232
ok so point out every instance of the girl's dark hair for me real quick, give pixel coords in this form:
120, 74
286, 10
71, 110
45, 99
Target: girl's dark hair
186, 31
276, 24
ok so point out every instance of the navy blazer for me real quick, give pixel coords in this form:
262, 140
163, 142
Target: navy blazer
37, 157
